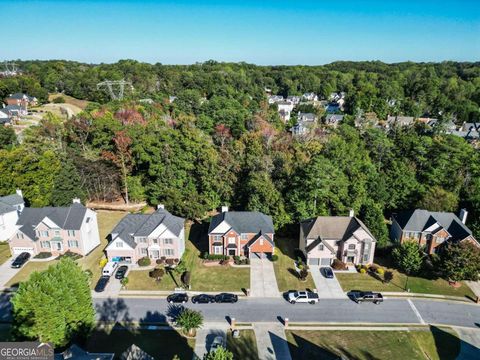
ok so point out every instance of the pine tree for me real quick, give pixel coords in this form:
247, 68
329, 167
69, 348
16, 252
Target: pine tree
66, 185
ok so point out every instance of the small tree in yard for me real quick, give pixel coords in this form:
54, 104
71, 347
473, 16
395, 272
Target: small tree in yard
461, 261
388, 276
157, 274
190, 321
408, 258
220, 354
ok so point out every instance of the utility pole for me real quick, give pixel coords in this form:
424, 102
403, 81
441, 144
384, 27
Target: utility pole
116, 88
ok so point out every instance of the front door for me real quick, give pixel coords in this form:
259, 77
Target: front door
231, 252
350, 259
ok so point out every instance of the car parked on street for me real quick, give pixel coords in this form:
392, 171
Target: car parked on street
177, 298
327, 272
302, 297
226, 298
102, 283
121, 272
216, 343
20, 260
365, 296
203, 299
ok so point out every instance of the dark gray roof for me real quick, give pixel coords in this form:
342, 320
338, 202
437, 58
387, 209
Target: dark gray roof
67, 218
8, 203
143, 224
418, 220
244, 222
256, 237
77, 353
18, 96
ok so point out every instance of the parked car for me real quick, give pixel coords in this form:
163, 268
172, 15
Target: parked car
109, 268
203, 299
102, 283
216, 343
302, 297
327, 272
226, 298
20, 260
177, 298
121, 272
365, 296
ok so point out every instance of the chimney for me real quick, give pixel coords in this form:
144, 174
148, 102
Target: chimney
160, 206
351, 213
76, 201
224, 208
19, 193
463, 215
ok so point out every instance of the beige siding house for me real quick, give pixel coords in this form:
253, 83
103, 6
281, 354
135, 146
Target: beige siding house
346, 238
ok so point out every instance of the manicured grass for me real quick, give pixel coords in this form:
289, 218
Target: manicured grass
27, 269
161, 344
244, 347
416, 284
4, 252
433, 343
284, 267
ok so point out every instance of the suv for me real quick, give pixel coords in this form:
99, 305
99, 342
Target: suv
365, 296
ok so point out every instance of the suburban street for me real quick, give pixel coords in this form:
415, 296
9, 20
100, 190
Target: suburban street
391, 311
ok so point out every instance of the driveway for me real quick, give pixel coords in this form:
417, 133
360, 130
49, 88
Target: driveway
326, 288
470, 343
7, 273
271, 341
263, 282
205, 337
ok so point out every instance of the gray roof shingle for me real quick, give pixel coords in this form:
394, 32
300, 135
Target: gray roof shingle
333, 227
244, 222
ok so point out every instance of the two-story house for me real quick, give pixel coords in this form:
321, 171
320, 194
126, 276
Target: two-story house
56, 230
430, 229
346, 238
238, 233
157, 235
10, 207
22, 100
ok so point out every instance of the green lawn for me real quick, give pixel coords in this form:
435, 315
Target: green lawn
106, 221
416, 284
433, 343
4, 252
216, 278
284, 267
244, 347
161, 344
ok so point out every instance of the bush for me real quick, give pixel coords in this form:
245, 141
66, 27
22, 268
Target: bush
274, 257
372, 268
236, 258
205, 255
160, 261
186, 278
169, 262
380, 271
103, 262
339, 265
363, 271
216, 257
144, 261
303, 274
156, 274
70, 254
59, 100
43, 255
388, 276
124, 281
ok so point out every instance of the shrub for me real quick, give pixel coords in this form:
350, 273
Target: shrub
339, 265
103, 262
176, 261
144, 261
70, 254
303, 274
124, 281
169, 262
363, 271
186, 278
156, 274
372, 268
274, 257
59, 100
380, 271
236, 258
388, 276
205, 255
43, 255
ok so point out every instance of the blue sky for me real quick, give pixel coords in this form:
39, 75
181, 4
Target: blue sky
261, 32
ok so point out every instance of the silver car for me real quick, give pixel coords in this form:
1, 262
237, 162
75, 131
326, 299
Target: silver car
216, 343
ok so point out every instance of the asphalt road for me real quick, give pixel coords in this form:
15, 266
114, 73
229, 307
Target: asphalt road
391, 311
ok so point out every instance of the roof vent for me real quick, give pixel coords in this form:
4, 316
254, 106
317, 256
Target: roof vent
19, 193
224, 208
351, 213
76, 201
160, 206
463, 216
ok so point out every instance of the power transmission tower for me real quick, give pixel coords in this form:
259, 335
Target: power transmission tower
11, 69
115, 88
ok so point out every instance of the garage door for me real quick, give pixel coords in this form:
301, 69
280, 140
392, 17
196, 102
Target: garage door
314, 261
325, 262
19, 250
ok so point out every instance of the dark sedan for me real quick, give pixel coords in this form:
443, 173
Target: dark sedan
177, 298
327, 272
20, 260
121, 272
203, 299
102, 283
226, 298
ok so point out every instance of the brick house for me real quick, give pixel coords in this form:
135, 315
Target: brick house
22, 100
241, 233
56, 230
157, 235
430, 229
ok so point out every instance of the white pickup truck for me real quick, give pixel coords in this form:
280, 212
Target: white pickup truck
302, 297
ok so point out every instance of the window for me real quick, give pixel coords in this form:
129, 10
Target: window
351, 247
320, 247
439, 239
155, 241
168, 252
217, 237
168, 241
44, 233
366, 257
19, 235
143, 251
141, 240
71, 232
45, 244
217, 250
244, 236
57, 232
231, 240
74, 243
119, 244
261, 241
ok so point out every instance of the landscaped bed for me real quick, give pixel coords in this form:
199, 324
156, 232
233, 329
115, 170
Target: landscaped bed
430, 343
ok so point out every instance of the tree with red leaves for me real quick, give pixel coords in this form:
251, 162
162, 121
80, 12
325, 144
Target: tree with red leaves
222, 133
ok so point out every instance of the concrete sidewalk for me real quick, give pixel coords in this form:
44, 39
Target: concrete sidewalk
263, 282
326, 288
271, 341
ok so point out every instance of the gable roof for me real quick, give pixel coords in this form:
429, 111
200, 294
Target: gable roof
244, 222
8, 203
258, 236
143, 224
419, 220
68, 218
77, 353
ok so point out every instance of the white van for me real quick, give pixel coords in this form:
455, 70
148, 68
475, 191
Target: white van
109, 268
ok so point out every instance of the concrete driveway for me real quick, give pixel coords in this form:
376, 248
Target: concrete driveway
470, 343
7, 273
205, 337
326, 288
263, 282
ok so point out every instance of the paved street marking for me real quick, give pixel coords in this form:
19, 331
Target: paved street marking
414, 309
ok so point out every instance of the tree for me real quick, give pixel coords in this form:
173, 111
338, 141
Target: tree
190, 320
461, 261
157, 274
372, 215
407, 256
219, 354
66, 185
438, 199
54, 305
7, 137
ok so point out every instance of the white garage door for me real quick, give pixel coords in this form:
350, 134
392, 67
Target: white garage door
314, 261
19, 250
325, 262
